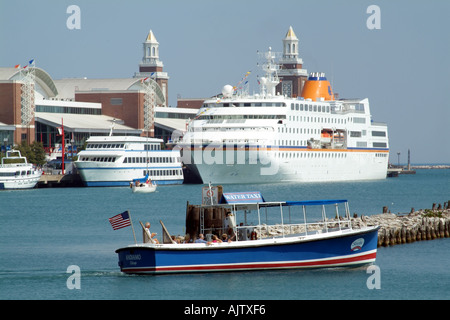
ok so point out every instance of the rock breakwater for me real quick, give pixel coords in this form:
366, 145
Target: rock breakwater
424, 224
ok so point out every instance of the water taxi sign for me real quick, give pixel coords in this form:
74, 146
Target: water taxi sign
242, 197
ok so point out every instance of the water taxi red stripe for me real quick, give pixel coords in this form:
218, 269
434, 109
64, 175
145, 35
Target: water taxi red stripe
273, 265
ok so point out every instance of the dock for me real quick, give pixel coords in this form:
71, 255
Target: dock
59, 181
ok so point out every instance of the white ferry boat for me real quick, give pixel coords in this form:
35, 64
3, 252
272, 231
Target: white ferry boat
118, 160
17, 173
241, 138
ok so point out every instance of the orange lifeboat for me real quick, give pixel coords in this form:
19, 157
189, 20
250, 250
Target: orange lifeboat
317, 86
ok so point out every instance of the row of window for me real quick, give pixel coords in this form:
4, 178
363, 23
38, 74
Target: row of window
317, 119
15, 174
324, 155
241, 116
245, 104
119, 146
163, 172
133, 159
152, 160
309, 107
353, 134
72, 110
299, 130
360, 144
105, 146
97, 159
305, 155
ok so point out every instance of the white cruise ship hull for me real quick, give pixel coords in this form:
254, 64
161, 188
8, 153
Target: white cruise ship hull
304, 165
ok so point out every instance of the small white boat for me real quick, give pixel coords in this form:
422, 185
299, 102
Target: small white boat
17, 173
137, 186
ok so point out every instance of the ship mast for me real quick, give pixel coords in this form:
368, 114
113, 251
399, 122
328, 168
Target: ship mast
270, 80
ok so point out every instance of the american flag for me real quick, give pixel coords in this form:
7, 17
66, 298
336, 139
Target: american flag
120, 220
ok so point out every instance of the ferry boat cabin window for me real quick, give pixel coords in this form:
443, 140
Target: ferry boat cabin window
379, 145
378, 134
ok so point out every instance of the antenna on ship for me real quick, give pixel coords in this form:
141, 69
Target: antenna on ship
270, 80
113, 122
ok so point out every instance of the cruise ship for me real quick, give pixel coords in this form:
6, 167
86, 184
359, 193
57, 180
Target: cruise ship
117, 160
265, 137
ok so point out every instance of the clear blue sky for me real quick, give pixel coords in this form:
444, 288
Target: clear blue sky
403, 68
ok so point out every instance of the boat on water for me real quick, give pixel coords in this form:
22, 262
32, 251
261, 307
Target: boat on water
117, 160
238, 137
17, 173
144, 185
254, 240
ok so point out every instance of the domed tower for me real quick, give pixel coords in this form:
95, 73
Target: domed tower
151, 66
291, 73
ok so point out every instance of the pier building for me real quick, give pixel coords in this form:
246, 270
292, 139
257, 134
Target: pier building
33, 105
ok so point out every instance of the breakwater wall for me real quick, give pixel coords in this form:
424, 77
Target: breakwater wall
424, 224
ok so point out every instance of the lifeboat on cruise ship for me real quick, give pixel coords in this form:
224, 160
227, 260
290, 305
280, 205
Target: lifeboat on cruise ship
317, 87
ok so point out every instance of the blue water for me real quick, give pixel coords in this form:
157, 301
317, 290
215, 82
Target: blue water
44, 231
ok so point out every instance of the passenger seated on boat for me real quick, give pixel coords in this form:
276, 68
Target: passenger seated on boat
174, 239
187, 238
146, 238
225, 238
200, 239
215, 239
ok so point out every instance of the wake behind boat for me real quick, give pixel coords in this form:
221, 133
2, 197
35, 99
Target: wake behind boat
254, 240
17, 173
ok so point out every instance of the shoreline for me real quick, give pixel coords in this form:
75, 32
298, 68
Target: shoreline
431, 166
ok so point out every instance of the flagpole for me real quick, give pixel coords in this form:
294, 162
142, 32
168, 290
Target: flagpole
132, 228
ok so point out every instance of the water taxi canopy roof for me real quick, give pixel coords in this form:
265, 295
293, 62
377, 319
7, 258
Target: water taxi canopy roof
255, 197
313, 202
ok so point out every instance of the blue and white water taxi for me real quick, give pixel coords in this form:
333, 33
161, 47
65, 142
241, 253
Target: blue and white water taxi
302, 237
